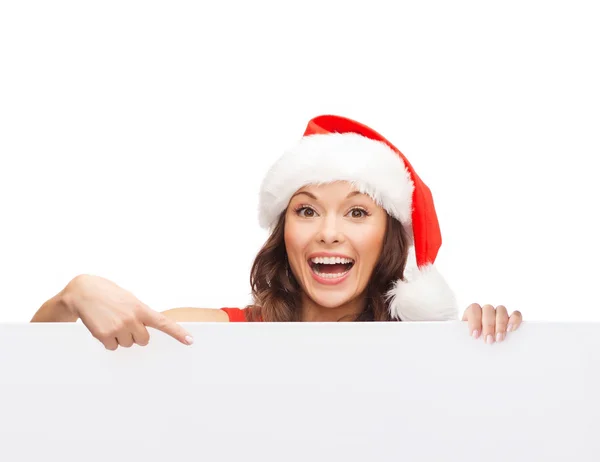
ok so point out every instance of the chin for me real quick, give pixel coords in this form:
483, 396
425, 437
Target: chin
330, 298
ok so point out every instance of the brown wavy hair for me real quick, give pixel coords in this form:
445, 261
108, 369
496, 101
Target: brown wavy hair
277, 295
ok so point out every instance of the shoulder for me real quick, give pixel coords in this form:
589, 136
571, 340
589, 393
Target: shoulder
237, 314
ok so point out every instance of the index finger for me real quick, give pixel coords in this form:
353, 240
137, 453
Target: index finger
473, 316
168, 326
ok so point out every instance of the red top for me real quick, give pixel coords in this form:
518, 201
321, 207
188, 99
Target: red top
236, 314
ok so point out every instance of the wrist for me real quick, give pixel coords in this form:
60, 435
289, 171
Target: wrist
67, 300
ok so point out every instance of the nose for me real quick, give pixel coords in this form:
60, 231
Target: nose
330, 232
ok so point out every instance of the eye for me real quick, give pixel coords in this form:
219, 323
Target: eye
358, 213
306, 212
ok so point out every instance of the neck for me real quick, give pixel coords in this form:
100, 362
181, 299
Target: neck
312, 312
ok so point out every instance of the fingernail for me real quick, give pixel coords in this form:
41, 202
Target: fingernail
475, 333
189, 340
499, 337
509, 328
490, 339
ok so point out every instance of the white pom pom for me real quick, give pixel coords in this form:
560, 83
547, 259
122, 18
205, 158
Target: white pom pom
423, 296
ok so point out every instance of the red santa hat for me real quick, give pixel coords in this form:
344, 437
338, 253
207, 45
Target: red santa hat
336, 148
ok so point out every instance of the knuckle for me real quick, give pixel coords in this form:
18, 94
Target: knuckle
128, 320
138, 307
117, 327
110, 332
162, 321
103, 334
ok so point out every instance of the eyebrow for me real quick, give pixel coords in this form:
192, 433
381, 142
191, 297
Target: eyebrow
306, 193
352, 194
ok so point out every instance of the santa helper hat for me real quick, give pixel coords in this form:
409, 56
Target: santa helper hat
336, 148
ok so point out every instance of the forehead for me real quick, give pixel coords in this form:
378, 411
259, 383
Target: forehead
338, 190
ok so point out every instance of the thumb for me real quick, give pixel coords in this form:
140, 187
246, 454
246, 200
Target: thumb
160, 322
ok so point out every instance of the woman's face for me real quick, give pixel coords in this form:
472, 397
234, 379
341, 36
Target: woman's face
333, 237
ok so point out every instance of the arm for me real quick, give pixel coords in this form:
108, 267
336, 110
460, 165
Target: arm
196, 315
115, 316
56, 309
63, 306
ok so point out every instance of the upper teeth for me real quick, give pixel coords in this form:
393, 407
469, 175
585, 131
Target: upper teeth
331, 260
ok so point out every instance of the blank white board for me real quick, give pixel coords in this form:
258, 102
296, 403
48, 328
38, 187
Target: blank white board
302, 392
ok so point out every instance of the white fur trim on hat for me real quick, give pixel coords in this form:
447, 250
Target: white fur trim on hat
371, 166
424, 295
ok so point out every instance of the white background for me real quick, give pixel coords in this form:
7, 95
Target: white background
134, 136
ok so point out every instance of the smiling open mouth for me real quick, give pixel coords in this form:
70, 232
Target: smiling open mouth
331, 267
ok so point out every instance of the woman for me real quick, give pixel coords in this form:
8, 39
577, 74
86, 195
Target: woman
354, 236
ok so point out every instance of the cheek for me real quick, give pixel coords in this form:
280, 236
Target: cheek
296, 242
369, 247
